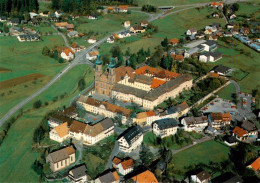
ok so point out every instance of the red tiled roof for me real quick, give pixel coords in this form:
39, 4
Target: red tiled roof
68, 51
123, 7
239, 131
127, 164
157, 82
145, 177
256, 164
179, 57
174, 41
160, 73
116, 160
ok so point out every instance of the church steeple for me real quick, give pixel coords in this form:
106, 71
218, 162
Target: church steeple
112, 63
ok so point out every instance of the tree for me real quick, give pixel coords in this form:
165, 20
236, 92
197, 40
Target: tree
235, 7
120, 60
167, 62
6, 29
61, 60
165, 42
56, 55
132, 61
37, 104
81, 84
38, 135
145, 155
115, 50
46, 51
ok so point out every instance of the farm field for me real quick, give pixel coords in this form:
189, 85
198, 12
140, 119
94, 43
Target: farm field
176, 25
23, 59
201, 153
111, 22
16, 154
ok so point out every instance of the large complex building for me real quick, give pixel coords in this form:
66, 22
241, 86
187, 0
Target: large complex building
165, 127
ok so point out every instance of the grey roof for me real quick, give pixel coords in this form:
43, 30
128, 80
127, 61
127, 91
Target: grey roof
231, 139
142, 79
249, 126
177, 108
72, 33
194, 43
107, 123
131, 133
203, 175
79, 171
15, 20
221, 69
19, 29
194, 50
29, 36
213, 54
61, 154
107, 178
196, 120
210, 42
166, 123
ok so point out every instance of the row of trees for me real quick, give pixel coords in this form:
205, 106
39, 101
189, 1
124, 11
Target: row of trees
149, 8
18, 7
52, 54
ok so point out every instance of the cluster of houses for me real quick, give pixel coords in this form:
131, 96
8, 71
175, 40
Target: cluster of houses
24, 34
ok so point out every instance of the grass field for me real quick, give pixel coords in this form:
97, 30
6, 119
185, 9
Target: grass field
110, 23
249, 63
226, 93
23, 59
247, 9
15, 153
201, 153
169, 2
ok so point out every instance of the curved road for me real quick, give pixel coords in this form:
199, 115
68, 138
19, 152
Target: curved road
80, 58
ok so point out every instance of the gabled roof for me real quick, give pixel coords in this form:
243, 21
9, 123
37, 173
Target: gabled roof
96, 129
203, 175
145, 114
239, 131
61, 154
126, 164
77, 127
123, 7
256, 164
145, 177
174, 41
196, 120
248, 126
166, 123
160, 73
130, 133
78, 172
221, 69
68, 51
116, 160
109, 177
62, 130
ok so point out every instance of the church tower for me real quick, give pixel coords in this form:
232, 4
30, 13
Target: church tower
98, 73
111, 72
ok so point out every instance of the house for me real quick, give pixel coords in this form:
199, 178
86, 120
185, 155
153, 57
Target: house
67, 54
126, 166
201, 177
213, 37
115, 162
58, 13
61, 158
191, 31
32, 15
108, 176
221, 70
44, 13
217, 4
92, 40
232, 16
144, 23
14, 21
165, 127
130, 139
60, 133
210, 56
218, 120
111, 39
73, 34
70, 112
70, 27
92, 55
230, 25
110, 9
77, 48
200, 35
123, 8
144, 177
145, 118
53, 17
255, 165
240, 133
174, 41
209, 45
227, 177
58, 119
215, 15
211, 130
122, 34
197, 124
179, 58
127, 24
78, 174
28, 37
230, 140
92, 17
228, 34
3, 19
137, 29
77, 130
245, 31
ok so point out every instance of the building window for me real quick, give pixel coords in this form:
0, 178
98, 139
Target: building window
71, 158
58, 165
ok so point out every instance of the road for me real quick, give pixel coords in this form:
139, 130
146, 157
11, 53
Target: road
80, 58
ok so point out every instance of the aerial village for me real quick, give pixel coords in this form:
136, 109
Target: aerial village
136, 116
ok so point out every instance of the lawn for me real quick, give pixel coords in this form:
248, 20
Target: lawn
109, 23
247, 62
15, 152
226, 93
24, 59
176, 25
247, 8
201, 153
170, 2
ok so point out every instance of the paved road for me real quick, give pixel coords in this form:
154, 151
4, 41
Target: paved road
80, 59
59, 33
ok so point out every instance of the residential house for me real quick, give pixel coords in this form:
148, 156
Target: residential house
58, 119
240, 133
215, 15
77, 130
137, 29
78, 174
165, 127
217, 4
92, 55
32, 15
228, 34
3, 19
201, 177
174, 41
191, 31
111, 39
127, 24
130, 139
28, 37
230, 140
53, 17
73, 34
115, 162
232, 16
14, 21
123, 34
245, 31
92, 17
108, 177
60, 133
58, 13
211, 130
45, 13
123, 8
61, 158
67, 54
126, 166
70, 112
144, 23
210, 56
179, 58
92, 40
227, 177
110, 9
255, 165
218, 120
200, 36
221, 70
213, 37
77, 48
145, 118
197, 124
230, 25
70, 27
209, 45
144, 177
61, 25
